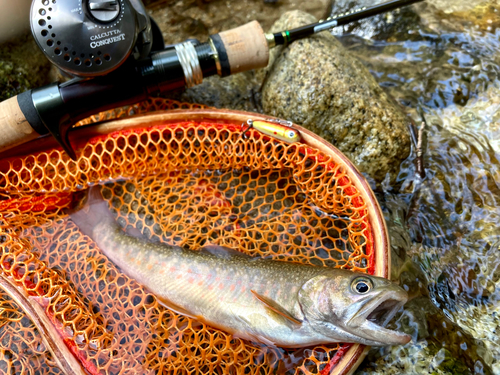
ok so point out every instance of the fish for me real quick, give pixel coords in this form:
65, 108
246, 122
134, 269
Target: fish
273, 302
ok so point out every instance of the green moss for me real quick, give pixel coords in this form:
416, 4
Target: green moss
13, 80
22, 67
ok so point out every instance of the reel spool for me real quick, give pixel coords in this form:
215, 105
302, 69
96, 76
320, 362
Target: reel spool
87, 38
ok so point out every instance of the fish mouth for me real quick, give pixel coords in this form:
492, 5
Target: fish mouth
383, 313
371, 320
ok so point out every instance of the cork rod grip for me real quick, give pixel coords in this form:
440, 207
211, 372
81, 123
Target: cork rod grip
14, 128
246, 47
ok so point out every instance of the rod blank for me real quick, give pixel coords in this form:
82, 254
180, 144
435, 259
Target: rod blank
289, 36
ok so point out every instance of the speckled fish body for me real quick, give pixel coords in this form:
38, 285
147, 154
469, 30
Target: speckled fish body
273, 302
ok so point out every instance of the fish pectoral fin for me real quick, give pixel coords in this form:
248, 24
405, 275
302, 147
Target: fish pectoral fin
133, 232
250, 336
270, 304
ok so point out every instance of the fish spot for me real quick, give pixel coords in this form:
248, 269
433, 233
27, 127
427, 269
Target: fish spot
179, 276
191, 280
232, 288
172, 269
149, 267
221, 286
210, 287
200, 283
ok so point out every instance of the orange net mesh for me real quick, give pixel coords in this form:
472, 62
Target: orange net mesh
186, 184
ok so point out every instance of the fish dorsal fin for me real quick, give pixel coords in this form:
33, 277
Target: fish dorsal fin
270, 304
222, 251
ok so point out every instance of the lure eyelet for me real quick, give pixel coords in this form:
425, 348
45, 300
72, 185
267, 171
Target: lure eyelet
244, 131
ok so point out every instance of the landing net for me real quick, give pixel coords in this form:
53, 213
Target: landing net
187, 184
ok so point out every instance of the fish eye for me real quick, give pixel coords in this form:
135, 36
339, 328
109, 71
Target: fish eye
291, 134
361, 285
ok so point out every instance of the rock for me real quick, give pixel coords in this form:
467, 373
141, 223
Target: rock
314, 82
388, 25
483, 15
449, 7
180, 20
240, 91
22, 67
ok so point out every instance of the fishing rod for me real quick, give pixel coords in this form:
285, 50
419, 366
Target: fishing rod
116, 53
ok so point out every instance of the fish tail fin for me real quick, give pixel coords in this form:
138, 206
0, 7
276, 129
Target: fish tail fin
92, 211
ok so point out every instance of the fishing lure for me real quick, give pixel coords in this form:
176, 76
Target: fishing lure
278, 129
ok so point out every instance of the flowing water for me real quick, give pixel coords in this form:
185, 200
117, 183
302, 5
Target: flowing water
442, 58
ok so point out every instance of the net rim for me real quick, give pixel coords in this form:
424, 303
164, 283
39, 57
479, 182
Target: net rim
381, 246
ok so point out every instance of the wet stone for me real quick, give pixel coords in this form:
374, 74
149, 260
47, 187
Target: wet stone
239, 92
433, 15
387, 25
314, 82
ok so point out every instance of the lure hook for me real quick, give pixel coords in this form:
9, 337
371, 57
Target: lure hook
249, 124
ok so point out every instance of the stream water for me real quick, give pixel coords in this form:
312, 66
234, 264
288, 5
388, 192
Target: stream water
442, 57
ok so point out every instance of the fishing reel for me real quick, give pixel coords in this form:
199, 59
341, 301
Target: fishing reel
89, 38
